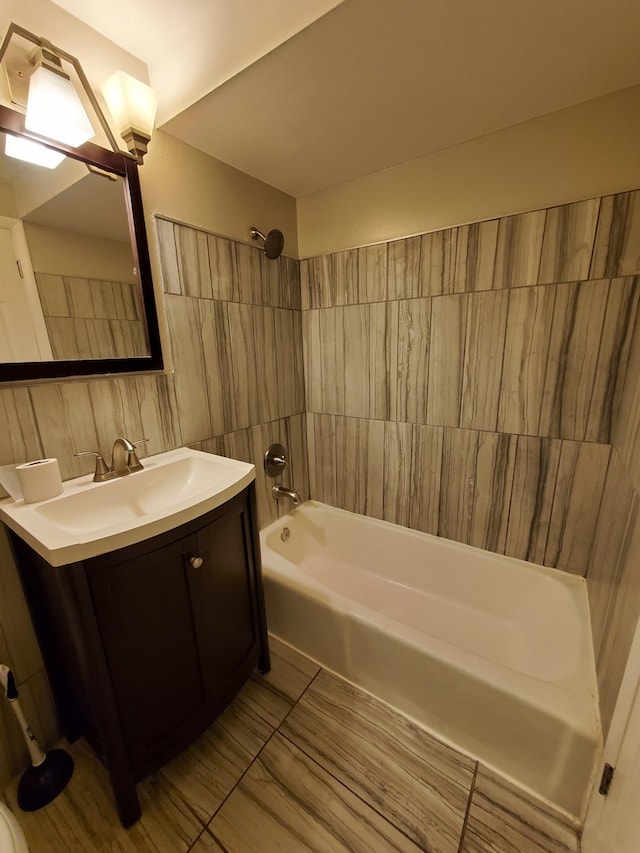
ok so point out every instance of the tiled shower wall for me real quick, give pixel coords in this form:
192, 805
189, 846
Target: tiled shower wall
477, 383
236, 338
614, 570
463, 382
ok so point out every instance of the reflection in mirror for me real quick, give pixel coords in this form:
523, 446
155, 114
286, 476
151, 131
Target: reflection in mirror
58, 219
69, 286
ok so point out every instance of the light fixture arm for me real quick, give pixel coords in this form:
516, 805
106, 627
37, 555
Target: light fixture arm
15, 29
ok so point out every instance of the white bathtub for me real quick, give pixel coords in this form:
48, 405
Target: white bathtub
490, 653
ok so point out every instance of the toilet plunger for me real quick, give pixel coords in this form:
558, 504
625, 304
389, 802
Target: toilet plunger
50, 771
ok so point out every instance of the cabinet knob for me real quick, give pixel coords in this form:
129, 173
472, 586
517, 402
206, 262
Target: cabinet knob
196, 562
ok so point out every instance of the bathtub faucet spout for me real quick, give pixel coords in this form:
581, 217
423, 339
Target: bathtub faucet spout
283, 492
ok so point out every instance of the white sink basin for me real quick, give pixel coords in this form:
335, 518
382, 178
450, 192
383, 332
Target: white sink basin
90, 518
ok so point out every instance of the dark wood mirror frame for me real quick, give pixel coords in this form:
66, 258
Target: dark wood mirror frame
126, 168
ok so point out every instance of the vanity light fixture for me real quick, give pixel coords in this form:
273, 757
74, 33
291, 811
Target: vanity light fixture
41, 85
133, 106
54, 108
33, 152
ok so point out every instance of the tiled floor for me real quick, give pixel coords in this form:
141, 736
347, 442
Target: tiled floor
303, 761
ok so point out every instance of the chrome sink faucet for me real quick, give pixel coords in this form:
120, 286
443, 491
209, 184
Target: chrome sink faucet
124, 460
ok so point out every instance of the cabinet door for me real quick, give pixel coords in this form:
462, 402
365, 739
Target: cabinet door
223, 600
145, 618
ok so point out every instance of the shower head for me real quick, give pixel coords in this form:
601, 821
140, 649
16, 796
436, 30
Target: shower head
273, 242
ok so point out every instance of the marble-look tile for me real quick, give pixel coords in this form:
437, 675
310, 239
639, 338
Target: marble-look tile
189, 367
403, 268
298, 455
519, 249
20, 439
476, 256
618, 236
321, 435
618, 330
446, 359
437, 262
290, 288
102, 298
330, 440
312, 355
216, 349
222, 268
529, 321
248, 265
581, 475
53, 295
250, 444
409, 379
504, 819
492, 491
285, 368
288, 802
426, 474
398, 466
571, 359
332, 280
370, 468
193, 262
313, 272
612, 583
483, 359
79, 298
459, 457
621, 620
534, 479
419, 784
625, 427
342, 287
66, 424
346, 442
567, 246
372, 273
618, 510
269, 281
168, 256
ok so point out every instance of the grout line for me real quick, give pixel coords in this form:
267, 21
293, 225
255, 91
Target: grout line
260, 751
343, 784
466, 814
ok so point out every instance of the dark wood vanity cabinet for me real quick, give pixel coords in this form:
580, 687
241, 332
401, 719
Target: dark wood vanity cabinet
145, 646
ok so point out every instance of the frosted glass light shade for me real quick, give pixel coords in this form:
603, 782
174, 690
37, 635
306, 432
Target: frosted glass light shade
132, 103
54, 109
32, 152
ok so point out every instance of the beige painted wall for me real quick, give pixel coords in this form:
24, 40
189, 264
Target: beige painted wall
585, 151
183, 184
67, 253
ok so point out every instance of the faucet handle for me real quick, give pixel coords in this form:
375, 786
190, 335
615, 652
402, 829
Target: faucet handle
102, 471
133, 463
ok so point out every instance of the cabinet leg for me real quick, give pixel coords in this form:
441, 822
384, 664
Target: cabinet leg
127, 802
264, 661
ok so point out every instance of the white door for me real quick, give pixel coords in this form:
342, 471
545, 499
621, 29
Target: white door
23, 335
613, 822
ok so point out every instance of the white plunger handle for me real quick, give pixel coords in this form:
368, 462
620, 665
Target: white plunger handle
8, 682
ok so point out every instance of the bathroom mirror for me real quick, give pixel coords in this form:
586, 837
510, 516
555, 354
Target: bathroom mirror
76, 296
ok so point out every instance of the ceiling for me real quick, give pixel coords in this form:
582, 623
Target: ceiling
366, 84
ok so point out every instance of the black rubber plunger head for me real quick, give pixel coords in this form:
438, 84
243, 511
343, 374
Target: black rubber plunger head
40, 785
273, 242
